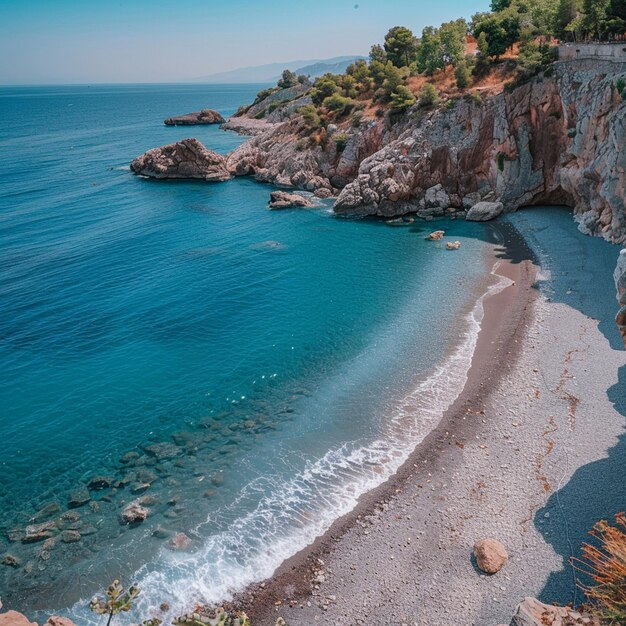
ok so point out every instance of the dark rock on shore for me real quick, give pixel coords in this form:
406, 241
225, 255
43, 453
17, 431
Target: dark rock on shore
186, 159
206, 116
484, 211
285, 200
39, 532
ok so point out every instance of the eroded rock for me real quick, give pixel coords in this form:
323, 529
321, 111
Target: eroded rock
186, 159
531, 612
206, 116
285, 200
134, 513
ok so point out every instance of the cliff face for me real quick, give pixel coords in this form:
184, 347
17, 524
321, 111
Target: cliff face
620, 283
559, 139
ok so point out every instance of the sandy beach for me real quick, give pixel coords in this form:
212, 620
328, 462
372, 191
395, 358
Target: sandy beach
531, 453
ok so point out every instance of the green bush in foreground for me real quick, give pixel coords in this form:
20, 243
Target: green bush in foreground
428, 96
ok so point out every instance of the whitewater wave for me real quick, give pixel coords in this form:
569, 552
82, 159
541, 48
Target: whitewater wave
290, 515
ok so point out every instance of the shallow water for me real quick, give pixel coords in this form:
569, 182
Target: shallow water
293, 358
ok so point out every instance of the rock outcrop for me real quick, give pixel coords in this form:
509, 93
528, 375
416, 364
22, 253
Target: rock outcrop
620, 283
206, 116
491, 555
531, 612
285, 200
558, 139
186, 159
134, 513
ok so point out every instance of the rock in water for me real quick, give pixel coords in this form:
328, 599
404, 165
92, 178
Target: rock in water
284, 200
55, 620
453, 245
436, 235
484, 211
206, 116
491, 556
186, 159
134, 513
179, 542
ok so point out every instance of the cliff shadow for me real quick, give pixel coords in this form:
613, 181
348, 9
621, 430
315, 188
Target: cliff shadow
595, 491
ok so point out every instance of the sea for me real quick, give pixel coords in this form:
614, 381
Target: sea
247, 374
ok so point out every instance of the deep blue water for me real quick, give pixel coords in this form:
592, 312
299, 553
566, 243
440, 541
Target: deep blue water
293, 358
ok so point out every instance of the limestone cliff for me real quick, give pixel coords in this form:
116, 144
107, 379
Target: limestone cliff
558, 139
620, 283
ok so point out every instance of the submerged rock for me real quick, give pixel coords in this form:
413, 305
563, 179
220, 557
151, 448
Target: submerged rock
39, 532
436, 235
134, 513
285, 200
206, 116
78, 498
491, 555
186, 159
484, 211
179, 542
70, 536
10, 560
13, 618
100, 482
453, 245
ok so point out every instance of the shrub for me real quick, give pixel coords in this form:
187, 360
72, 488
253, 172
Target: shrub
402, 98
288, 79
620, 86
264, 93
338, 103
462, 75
357, 118
341, 141
475, 98
428, 96
324, 87
605, 563
311, 116
500, 159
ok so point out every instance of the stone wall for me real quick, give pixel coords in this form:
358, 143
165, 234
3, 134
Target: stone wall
601, 51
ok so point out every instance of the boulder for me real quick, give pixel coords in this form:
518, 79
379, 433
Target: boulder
13, 618
436, 235
45, 512
491, 555
285, 200
206, 116
453, 245
39, 532
531, 612
10, 561
179, 542
436, 197
134, 513
100, 482
78, 498
70, 536
186, 159
484, 211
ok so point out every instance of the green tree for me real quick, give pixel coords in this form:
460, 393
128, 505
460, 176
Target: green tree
617, 8
430, 52
595, 16
496, 36
288, 79
400, 46
567, 11
499, 5
338, 103
361, 74
377, 72
394, 78
304, 79
452, 36
377, 53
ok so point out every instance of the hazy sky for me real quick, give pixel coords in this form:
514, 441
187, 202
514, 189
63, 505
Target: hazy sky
89, 41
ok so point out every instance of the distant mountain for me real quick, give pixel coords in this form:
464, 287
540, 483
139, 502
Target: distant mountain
271, 72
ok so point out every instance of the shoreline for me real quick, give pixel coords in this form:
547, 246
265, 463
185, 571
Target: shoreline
506, 313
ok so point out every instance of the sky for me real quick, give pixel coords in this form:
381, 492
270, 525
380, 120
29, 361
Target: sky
113, 41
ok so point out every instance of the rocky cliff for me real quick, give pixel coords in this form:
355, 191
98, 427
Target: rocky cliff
620, 283
558, 139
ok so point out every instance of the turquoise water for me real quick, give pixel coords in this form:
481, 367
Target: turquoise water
290, 360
